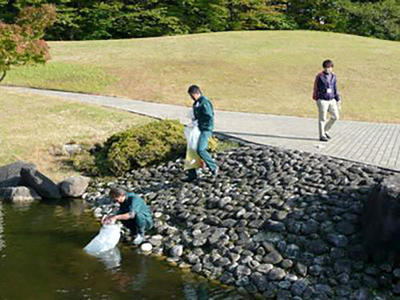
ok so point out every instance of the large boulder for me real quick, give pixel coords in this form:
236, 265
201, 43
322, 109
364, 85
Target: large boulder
18, 194
40, 183
381, 218
10, 174
74, 187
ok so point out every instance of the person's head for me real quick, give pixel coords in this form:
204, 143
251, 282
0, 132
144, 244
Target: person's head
328, 66
194, 92
117, 194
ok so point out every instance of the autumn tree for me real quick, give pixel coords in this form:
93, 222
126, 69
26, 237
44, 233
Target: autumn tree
22, 43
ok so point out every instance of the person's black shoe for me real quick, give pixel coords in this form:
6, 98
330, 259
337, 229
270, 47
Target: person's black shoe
215, 171
328, 136
188, 179
323, 139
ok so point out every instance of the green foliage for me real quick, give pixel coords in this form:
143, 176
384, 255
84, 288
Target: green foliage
21, 43
84, 20
88, 20
137, 147
380, 19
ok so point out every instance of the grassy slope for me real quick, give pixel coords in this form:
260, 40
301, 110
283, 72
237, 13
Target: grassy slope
32, 125
268, 72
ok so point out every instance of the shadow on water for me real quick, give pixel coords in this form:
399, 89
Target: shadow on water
43, 249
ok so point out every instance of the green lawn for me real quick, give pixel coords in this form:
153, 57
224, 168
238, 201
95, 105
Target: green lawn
33, 127
258, 71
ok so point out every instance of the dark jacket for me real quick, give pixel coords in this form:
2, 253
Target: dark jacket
204, 113
324, 88
134, 203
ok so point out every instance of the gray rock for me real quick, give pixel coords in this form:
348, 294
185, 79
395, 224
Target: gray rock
381, 224
177, 251
273, 258
10, 174
396, 272
74, 187
274, 226
310, 227
71, 149
315, 270
264, 268
40, 183
242, 271
361, 294
260, 281
18, 194
345, 227
298, 287
317, 247
276, 274
337, 240
396, 289
286, 264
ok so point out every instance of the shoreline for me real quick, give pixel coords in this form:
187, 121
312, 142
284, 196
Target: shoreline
277, 223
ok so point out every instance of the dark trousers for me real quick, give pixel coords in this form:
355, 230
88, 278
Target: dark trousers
133, 227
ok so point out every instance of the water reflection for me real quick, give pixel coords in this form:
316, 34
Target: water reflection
111, 258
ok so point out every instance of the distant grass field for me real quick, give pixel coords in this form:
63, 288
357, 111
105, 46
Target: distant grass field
33, 126
259, 71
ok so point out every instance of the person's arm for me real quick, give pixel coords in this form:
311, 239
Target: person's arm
315, 91
208, 111
120, 217
337, 96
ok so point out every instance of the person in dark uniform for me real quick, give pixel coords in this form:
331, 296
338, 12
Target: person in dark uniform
133, 213
204, 114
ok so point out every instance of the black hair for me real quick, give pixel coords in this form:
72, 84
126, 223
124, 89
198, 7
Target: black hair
327, 63
117, 191
194, 89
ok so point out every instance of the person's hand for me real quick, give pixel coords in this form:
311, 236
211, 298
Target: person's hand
108, 220
339, 104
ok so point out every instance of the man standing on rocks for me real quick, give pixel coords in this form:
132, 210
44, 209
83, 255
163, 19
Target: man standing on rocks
328, 99
133, 213
204, 114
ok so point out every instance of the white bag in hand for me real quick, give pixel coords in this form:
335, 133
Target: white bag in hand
105, 240
192, 134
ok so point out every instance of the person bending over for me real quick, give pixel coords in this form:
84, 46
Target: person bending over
133, 213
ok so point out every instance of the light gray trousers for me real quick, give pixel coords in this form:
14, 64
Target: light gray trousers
325, 106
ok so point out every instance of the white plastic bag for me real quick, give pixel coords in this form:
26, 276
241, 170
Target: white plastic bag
105, 240
192, 134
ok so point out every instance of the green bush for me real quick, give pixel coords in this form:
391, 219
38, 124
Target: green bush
142, 146
138, 147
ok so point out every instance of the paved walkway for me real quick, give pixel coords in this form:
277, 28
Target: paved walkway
372, 143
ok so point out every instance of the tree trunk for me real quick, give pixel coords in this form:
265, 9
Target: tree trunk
3, 75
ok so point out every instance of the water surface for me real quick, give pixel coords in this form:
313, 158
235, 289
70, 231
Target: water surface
41, 257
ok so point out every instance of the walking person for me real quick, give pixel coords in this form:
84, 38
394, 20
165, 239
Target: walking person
328, 99
204, 114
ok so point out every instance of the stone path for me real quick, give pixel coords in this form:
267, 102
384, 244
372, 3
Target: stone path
371, 143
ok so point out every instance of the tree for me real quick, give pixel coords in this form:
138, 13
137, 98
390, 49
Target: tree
22, 43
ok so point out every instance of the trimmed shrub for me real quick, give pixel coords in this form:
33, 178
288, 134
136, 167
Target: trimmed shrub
137, 147
141, 146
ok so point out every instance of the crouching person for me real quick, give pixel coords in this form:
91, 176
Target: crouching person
133, 213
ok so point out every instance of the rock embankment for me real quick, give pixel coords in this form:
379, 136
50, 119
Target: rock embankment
285, 224
22, 182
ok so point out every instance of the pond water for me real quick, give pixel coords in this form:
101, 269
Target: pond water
41, 257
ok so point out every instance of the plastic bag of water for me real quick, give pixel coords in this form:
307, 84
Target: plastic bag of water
105, 240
